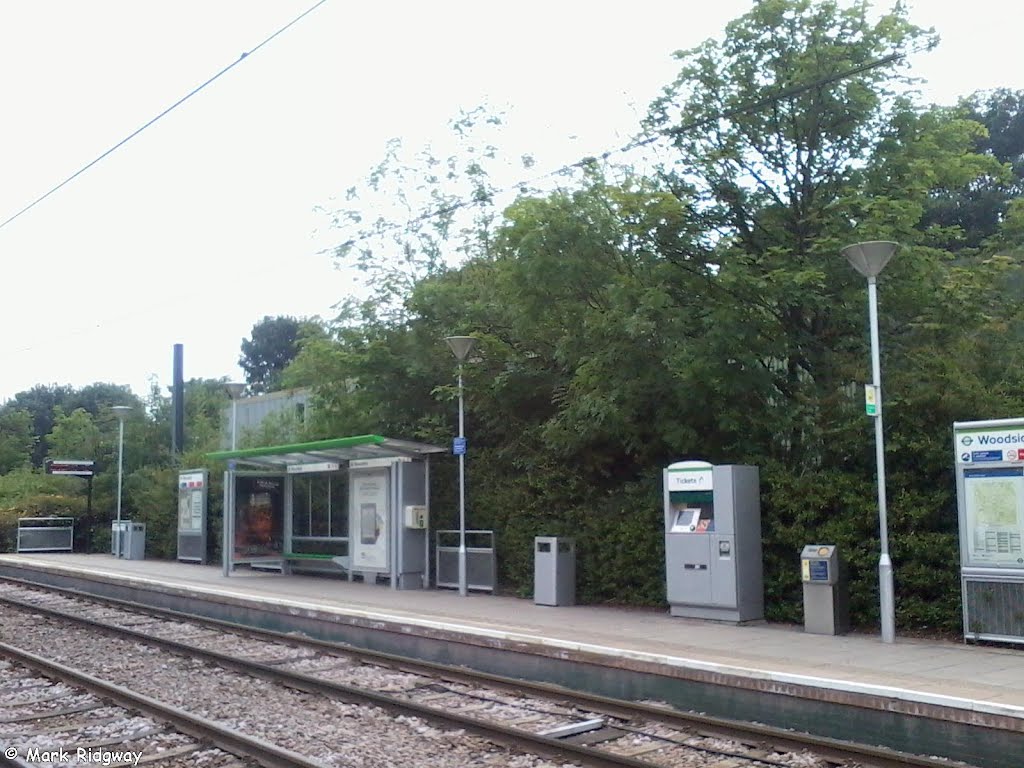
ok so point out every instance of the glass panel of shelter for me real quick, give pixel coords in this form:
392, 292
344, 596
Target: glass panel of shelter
320, 514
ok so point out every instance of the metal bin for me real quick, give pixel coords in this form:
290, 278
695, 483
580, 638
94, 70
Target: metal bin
554, 571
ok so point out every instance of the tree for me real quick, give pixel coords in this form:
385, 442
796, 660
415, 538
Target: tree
16, 439
74, 435
965, 218
274, 344
40, 402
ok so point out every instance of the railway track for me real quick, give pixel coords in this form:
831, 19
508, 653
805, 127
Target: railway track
52, 714
543, 719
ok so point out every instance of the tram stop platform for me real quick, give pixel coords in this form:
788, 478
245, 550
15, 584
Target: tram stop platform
953, 700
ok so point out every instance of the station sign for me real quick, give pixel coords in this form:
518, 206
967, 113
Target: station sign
319, 466
459, 446
77, 467
987, 445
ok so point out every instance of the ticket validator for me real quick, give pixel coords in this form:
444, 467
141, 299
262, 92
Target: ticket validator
713, 564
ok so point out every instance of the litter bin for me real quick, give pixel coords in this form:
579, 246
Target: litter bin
133, 541
118, 531
826, 601
554, 571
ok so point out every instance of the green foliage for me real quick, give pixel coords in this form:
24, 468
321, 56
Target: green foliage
16, 439
274, 344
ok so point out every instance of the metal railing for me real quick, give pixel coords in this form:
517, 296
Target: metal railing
46, 534
481, 561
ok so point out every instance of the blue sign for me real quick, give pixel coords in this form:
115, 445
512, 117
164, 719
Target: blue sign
819, 570
459, 446
995, 472
986, 455
232, 464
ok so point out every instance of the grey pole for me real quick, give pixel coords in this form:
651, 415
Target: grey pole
463, 588
461, 346
870, 258
120, 411
887, 592
120, 463
234, 422
234, 390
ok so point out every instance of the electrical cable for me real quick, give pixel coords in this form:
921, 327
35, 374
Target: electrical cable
583, 162
169, 109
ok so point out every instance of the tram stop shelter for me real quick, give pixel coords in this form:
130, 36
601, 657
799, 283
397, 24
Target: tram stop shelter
355, 505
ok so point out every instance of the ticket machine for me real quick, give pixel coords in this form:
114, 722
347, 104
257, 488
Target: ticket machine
713, 564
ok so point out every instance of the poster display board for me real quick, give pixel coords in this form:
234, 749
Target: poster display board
258, 524
369, 518
994, 516
989, 458
193, 489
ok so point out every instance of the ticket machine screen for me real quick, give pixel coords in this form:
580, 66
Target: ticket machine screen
693, 520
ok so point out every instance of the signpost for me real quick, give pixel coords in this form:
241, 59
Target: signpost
459, 446
76, 468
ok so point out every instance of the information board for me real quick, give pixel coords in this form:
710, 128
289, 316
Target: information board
994, 515
193, 487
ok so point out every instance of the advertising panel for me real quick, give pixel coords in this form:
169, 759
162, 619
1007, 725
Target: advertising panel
259, 518
369, 517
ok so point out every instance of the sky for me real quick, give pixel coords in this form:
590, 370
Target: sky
211, 218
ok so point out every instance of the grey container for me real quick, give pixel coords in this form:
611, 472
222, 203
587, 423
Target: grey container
826, 600
554, 571
133, 541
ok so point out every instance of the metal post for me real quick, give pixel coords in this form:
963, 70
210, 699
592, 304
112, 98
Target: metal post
463, 589
885, 581
234, 421
120, 470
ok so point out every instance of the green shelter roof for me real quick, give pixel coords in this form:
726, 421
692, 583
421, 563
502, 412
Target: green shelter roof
337, 450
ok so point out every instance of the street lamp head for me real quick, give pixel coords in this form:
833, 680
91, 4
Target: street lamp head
120, 411
871, 257
461, 346
234, 389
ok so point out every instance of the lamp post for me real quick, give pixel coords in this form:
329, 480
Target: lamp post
461, 346
235, 390
120, 411
869, 259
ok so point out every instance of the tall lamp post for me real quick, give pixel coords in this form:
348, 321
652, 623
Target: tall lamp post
235, 390
120, 411
870, 259
461, 346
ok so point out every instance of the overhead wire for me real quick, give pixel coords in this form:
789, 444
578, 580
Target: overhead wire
562, 170
164, 113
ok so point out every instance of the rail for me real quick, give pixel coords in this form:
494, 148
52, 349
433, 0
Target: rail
828, 748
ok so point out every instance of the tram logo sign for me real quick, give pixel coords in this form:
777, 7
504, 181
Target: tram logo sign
983, 445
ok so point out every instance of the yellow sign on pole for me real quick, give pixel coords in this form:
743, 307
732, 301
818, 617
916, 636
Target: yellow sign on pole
872, 401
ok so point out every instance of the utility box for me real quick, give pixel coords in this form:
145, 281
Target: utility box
713, 565
826, 600
554, 571
132, 541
